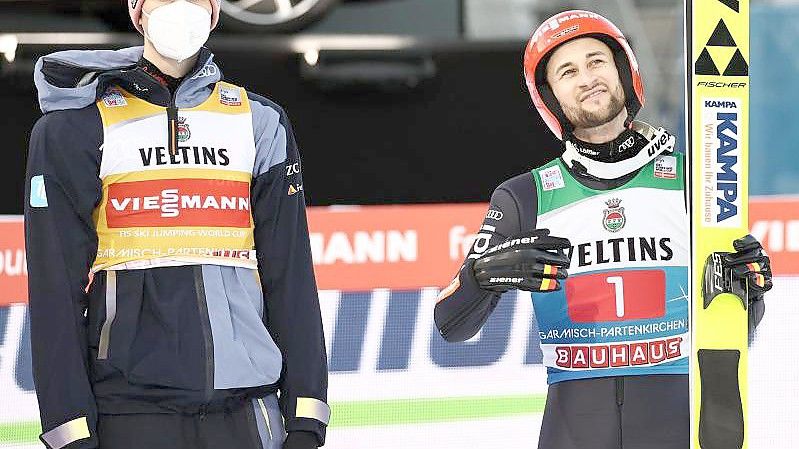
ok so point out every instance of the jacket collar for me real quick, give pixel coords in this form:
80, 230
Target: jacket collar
75, 79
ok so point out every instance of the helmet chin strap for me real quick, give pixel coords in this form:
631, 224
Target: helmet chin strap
660, 141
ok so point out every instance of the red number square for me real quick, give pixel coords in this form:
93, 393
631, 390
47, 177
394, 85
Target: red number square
592, 297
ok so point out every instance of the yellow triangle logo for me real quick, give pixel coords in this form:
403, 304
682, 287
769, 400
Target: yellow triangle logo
292, 190
721, 55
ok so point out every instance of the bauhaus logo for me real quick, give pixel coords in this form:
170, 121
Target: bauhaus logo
649, 353
178, 202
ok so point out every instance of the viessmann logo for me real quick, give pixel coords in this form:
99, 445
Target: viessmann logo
179, 202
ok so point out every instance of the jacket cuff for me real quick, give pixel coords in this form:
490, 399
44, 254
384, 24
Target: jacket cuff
310, 415
72, 434
312, 408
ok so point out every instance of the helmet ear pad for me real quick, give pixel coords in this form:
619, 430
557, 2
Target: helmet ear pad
548, 97
623, 67
625, 76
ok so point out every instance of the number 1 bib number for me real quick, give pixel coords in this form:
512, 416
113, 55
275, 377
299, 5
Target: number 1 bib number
616, 296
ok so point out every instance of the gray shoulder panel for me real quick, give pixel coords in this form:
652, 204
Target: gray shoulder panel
58, 98
270, 134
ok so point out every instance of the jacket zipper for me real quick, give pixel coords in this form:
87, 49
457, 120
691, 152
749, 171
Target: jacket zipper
172, 124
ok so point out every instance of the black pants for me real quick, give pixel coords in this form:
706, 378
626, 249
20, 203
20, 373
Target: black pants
241, 427
633, 412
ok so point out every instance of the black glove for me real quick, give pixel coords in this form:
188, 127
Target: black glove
300, 439
532, 261
750, 267
745, 273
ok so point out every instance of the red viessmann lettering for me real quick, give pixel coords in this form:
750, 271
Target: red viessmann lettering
179, 202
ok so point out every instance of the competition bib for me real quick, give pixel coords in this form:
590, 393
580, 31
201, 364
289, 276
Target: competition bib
188, 206
624, 308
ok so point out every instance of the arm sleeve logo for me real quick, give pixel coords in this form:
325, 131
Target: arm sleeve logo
38, 196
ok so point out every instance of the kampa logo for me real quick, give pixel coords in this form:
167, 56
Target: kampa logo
729, 104
719, 44
726, 160
720, 153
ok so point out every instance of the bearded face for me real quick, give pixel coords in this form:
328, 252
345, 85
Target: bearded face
591, 117
583, 76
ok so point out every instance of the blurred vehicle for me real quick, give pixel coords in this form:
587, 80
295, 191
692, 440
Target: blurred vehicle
265, 16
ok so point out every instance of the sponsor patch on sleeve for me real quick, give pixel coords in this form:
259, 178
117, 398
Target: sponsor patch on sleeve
229, 96
114, 99
494, 214
666, 167
551, 178
38, 194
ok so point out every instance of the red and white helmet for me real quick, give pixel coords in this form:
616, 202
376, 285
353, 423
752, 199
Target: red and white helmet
560, 29
134, 9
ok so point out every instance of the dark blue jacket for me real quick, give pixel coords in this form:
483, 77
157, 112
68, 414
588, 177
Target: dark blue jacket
185, 338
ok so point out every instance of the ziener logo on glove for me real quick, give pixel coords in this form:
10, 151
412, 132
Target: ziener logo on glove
506, 280
514, 242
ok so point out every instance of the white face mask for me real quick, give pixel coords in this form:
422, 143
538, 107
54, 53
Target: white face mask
179, 29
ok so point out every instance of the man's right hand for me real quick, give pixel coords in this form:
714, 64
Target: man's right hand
533, 261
